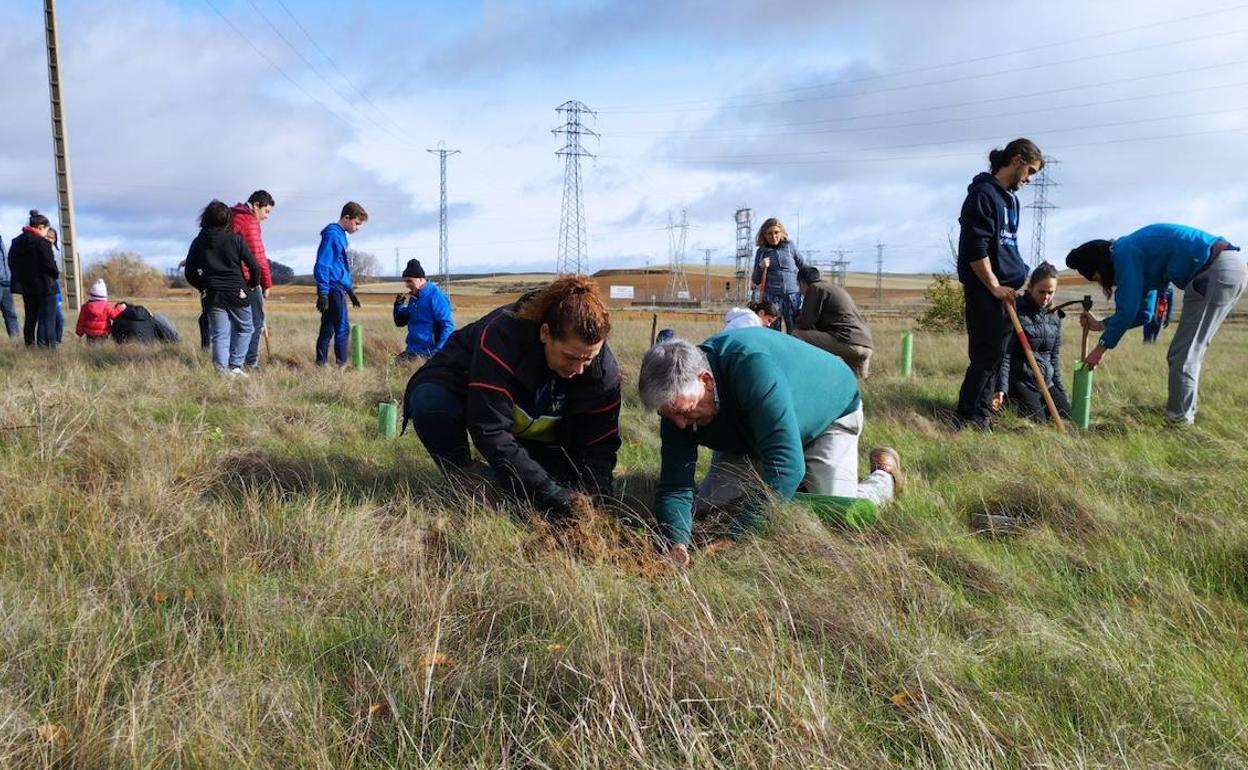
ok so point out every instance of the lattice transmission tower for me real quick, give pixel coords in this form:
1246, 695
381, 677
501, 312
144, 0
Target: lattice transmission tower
444, 260
677, 283
744, 219
573, 254
1041, 207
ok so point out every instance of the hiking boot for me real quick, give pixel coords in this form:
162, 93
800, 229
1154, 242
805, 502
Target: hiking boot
886, 459
238, 374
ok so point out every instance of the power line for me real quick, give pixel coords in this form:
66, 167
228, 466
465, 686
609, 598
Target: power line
334, 64
929, 123
960, 62
785, 157
947, 81
315, 71
259, 51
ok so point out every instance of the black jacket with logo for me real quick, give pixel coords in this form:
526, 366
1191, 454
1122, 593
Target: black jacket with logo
513, 401
989, 221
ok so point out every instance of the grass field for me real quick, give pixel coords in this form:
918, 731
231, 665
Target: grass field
201, 573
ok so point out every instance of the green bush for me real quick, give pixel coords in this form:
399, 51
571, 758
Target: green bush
946, 309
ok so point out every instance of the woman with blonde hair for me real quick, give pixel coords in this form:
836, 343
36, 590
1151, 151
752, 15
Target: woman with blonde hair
776, 263
538, 391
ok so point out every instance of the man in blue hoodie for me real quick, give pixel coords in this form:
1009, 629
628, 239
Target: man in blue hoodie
6, 295
332, 272
425, 311
990, 269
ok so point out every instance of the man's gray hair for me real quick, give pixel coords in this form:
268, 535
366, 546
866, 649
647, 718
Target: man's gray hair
671, 369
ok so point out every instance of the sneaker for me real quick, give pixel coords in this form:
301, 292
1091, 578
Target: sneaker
238, 374
886, 459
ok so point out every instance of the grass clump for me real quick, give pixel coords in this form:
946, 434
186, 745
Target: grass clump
203, 573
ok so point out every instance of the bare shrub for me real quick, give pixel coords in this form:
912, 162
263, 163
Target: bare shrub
126, 274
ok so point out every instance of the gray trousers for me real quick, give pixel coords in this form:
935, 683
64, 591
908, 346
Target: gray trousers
1207, 301
831, 469
9, 310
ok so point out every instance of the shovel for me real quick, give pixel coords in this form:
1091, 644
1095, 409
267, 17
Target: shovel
1035, 368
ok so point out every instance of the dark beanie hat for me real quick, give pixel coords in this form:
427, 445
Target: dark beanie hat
808, 274
414, 270
1090, 258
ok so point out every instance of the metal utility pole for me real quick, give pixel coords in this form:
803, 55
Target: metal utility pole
70, 272
677, 285
444, 260
1041, 207
744, 219
879, 272
706, 287
840, 266
573, 256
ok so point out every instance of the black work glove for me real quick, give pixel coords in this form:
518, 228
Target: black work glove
555, 501
322, 302
355, 301
399, 299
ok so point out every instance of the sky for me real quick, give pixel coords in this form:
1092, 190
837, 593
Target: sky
855, 123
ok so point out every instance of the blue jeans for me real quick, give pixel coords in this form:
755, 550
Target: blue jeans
788, 305
8, 310
229, 328
334, 325
252, 359
438, 416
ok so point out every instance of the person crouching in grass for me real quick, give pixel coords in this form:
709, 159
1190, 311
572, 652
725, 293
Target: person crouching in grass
538, 391
769, 404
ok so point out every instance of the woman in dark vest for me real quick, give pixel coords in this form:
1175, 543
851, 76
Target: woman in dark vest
776, 263
1015, 380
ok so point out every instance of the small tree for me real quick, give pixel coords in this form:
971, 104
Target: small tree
126, 274
364, 266
946, 308
281, 274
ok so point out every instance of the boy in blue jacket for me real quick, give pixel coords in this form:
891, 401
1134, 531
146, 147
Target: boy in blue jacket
333, 283
426, 312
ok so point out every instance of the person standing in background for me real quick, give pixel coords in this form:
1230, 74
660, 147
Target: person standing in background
332, 272
246, 224
7, 308
776, 263
32, 265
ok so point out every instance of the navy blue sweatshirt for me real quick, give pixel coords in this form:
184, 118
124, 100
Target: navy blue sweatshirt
989, 221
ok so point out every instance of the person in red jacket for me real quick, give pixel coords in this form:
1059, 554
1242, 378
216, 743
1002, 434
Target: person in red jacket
247, 219
95, 318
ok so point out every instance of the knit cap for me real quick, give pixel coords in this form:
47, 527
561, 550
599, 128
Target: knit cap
99, 290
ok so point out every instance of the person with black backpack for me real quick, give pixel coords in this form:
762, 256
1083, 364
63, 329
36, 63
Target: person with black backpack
214, 266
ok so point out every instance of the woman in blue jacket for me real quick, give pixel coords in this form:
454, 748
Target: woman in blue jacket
1211, 272
776, 263
1015, 380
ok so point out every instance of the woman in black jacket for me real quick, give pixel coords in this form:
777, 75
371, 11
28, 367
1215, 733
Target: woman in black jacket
214, 266
1043, 328
33, 267
538, 391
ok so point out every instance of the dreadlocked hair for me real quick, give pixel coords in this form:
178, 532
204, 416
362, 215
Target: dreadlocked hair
571, 307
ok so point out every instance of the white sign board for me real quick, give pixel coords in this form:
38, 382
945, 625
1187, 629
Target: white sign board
621, 292
682, 295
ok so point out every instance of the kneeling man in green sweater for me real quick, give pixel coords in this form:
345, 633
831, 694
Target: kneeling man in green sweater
772, 407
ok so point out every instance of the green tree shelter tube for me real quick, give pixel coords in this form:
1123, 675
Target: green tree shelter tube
388, 419
357, 346
907, 354
1081, 397
849, 512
